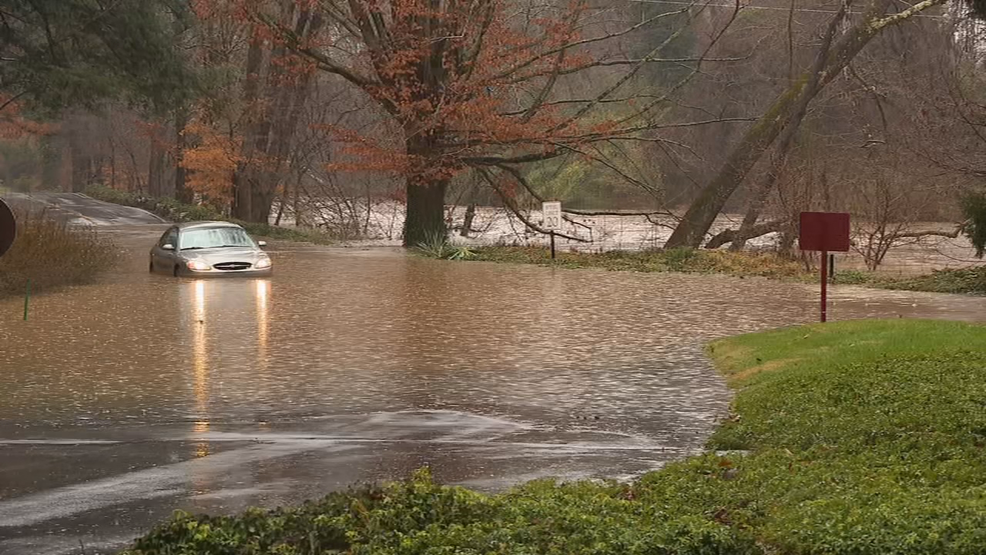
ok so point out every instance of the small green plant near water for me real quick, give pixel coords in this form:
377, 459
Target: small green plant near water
52, 254
858, 438
438, 246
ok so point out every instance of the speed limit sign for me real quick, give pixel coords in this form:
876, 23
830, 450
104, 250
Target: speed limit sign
552, 214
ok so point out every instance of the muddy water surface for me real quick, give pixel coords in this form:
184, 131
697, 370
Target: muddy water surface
125, 400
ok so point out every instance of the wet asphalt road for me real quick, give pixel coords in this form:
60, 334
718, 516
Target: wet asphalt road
142, 394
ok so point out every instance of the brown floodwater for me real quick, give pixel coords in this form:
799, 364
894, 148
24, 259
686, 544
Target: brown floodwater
499, 372
342, 331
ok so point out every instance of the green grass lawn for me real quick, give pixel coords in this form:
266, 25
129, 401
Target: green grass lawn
848, 438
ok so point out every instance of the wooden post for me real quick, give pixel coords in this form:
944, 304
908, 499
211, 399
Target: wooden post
27, 298
552, 245
825, 284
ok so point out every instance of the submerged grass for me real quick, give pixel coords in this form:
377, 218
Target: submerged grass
743, 264
672, 260
52, 254
862, 438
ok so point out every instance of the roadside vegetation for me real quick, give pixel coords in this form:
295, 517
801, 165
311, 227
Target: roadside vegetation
176, 211
858, 438
52, 254
708, 261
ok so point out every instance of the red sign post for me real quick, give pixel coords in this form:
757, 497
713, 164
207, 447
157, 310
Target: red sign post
825, 232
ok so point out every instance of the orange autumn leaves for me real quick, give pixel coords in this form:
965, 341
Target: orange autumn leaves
211, 161
458, 80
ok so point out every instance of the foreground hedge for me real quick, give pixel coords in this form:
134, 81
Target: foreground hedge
853, 438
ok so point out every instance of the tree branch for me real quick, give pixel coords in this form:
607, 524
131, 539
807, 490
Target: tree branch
511, 204
730, 235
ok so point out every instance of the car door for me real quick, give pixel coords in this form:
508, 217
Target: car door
161, 259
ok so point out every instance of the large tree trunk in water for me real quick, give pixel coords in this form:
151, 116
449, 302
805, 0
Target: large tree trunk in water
703, 211
425, 218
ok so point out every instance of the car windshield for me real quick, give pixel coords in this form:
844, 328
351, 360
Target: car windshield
214, 238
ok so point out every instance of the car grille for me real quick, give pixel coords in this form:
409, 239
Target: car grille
231, 266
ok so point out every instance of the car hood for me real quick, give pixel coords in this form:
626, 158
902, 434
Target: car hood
218, 256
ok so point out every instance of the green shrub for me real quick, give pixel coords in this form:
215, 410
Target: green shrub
419, 517
52, 254
966, 280
974, 206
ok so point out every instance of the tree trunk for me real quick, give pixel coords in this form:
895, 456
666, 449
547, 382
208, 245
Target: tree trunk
425, 216
242, 193
703, 211
467, 221
425, 219
242, 180
759, 200
263, 197
80, 168
155, 171
270, 135
182, 192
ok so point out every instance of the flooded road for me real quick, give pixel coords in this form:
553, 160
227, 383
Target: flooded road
142, 394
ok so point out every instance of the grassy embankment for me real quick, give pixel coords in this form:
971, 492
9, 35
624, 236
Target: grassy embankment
851, 438
744, 264
51, 254
175, 211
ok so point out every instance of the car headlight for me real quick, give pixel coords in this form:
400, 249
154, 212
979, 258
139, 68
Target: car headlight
198, 266
263, 264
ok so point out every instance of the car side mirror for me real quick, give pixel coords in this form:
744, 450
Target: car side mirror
168, 247
262, 244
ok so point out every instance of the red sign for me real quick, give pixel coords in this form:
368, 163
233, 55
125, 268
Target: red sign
8, 228
824, 231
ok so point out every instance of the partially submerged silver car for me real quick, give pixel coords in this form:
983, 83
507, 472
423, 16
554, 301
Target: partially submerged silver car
209, 249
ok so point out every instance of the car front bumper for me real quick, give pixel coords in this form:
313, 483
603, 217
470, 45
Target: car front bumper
251, 272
